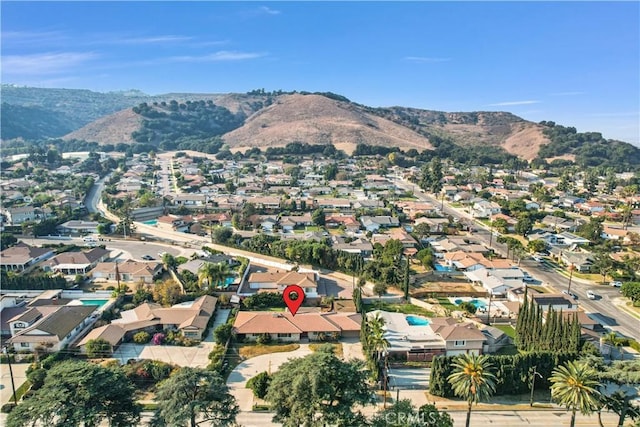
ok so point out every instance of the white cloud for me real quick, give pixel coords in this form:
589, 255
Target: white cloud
425, 59
511, 103
32, 37
153, 39
269, 11
222, 55
44, 63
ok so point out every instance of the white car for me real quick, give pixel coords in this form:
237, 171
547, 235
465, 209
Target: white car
616, 283
591, 295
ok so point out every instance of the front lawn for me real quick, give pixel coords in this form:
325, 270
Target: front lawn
446, 303
399, 308
507, 329
248, 351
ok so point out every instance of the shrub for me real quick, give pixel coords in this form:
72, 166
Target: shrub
223, 333
36, 378
158, 338
217, 359
128, 306
142, 337
260, 384
7, 407
263, 339
468, 307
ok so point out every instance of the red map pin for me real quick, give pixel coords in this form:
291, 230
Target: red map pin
293, 296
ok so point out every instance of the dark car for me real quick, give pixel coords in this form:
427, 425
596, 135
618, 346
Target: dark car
148, 258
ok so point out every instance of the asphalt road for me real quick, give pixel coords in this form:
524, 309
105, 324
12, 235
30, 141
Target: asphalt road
534, 418
603, 308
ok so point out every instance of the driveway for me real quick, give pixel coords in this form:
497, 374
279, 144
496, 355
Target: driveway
409, 378
19, 377
195, 357
251, 367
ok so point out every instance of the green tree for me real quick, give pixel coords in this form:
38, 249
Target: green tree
7, 240
222, 333
603, 264
536, 246
79, 394
98, 348
524, 225
169, 261
631, 290
260, 384
380, 289
318, 217
575, 386
167, 293
318, 389
472, 380
213, 273
193, 396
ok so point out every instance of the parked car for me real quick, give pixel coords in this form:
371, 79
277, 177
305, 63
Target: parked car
591, 295
571, 294
528, 278
148, 258
616, 283
537, 258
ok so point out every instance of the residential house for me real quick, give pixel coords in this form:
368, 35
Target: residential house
18, 215
79, 227
129, 271
358, 246
431, 337
494, 281
485, 209
73, 263
249, 325
278, 281
21, 256
190, 317
57, 328
349, 222
581, 261
619, 234
556, 301
559, 223
333, 204
569, 239
174, 222
374, 223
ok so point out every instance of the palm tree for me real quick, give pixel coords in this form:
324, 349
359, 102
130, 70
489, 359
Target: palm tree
213, 274
575, 386
472, 379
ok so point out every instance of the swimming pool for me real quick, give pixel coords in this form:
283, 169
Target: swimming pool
476, 302
440, 267
151, 222
98, 302
417, 321
229, 281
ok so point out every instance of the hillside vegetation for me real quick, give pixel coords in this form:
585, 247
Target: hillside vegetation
209, 122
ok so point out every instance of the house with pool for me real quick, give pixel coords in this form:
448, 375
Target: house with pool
417, 338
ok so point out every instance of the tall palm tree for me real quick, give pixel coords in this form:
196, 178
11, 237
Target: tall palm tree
213, 274
472, 379
575, 386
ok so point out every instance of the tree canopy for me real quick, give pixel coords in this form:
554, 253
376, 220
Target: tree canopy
193, 396
79, 394
318, 389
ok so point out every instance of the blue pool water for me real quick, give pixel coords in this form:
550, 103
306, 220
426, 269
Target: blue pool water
417, 321
228, 281
478, 303
440, 267
99, 302
151, 222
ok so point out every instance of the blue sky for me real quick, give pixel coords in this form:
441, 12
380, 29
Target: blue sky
576, 63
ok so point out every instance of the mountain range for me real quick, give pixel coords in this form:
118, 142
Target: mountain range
266, 119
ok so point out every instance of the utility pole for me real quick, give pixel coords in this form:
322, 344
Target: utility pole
533, 383
13, 385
